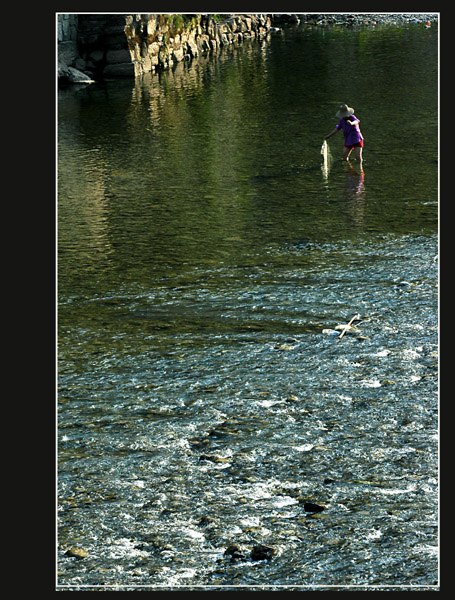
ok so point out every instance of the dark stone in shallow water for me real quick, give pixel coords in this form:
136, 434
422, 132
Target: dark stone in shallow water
205, 521
259, 552
234, 552
311, 507
76, 553
262, 552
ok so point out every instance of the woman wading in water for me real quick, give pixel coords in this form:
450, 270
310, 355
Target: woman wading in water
353, 138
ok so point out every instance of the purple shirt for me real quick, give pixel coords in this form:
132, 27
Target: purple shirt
352, 134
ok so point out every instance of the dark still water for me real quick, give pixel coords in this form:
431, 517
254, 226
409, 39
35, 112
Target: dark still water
202, 252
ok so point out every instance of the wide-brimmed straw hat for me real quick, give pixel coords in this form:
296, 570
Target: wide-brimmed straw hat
345, 111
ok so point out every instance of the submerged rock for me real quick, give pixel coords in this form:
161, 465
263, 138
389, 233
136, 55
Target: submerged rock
329, 480
234, 552
258, 552
311, 507
262, 552
76, 553
205, 521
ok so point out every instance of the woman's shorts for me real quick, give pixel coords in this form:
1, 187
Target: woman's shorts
353, 146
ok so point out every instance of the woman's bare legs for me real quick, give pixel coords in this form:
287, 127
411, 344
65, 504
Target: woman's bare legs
358, 154
346, 153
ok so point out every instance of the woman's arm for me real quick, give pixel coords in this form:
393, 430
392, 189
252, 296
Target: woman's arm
331, 133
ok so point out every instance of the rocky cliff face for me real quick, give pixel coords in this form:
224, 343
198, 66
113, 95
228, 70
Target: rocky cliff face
93, 46
69, 62
158, 41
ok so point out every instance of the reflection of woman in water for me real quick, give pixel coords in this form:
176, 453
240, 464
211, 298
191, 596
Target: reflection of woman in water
353, 138
355, 186
354, 194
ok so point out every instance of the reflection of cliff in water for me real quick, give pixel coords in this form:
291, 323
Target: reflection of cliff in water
170, 145
170, 98
83, 199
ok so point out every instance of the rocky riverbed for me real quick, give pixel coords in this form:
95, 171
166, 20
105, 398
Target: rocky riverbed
351, 19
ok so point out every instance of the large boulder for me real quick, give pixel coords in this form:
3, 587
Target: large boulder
72, 75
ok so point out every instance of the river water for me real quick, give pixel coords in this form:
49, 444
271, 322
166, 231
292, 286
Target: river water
202, 251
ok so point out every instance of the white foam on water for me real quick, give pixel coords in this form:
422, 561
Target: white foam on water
193, 534
374, 535
304, 448
125, 548
374, 383
381, 353
395, 491
284, 501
